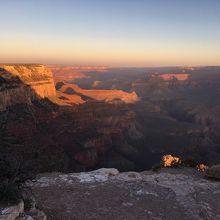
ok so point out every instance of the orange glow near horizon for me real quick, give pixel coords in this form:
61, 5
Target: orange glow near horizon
110, 33
31, 49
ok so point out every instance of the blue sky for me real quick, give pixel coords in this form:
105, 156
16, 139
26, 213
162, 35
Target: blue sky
111, 32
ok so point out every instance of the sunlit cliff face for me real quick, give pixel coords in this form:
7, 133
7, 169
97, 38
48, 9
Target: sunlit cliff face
23, 83
171, 76
99, 95
38, 77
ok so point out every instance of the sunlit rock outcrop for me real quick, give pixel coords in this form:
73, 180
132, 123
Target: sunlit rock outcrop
101, 95
171, 76
21, 83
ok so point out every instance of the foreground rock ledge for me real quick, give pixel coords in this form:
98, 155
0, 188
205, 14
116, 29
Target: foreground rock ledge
11, 212
107, 194
214, 172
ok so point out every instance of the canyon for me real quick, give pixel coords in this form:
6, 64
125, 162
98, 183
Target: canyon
77, 138
110, 110
128, 120
61, 125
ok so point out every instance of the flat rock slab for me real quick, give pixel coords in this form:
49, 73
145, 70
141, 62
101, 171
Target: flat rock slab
107, 194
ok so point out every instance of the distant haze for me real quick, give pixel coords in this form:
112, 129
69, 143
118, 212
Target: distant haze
110, 32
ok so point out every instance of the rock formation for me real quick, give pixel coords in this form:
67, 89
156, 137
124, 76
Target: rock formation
106, 194
72, 73
213, 172
173, 116
11, 212
101, 95
23, 83
171, 76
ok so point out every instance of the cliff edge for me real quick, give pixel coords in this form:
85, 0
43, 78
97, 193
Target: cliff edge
21, 83
107, 194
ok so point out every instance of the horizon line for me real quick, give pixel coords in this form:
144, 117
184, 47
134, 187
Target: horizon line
106, 66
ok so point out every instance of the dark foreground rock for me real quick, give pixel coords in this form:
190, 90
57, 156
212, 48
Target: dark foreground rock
214, 172
11, 212
106, 194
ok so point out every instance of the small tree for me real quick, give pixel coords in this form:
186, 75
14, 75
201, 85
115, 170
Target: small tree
190, 162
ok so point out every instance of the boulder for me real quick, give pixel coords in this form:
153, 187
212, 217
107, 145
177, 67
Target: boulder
213, 172
107, 171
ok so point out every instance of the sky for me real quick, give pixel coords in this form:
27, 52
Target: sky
110, 32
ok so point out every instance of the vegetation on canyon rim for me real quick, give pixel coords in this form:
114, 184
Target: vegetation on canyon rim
14, 171
170, 161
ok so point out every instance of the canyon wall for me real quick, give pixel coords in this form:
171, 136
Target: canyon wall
79, 137
101, 95
23, 83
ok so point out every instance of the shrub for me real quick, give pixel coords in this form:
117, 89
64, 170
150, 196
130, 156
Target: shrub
156, 167
14, 172
176, 164
171, 161
189, 162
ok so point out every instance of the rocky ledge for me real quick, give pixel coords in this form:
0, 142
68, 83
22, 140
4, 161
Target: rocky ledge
109, 96
107, 194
